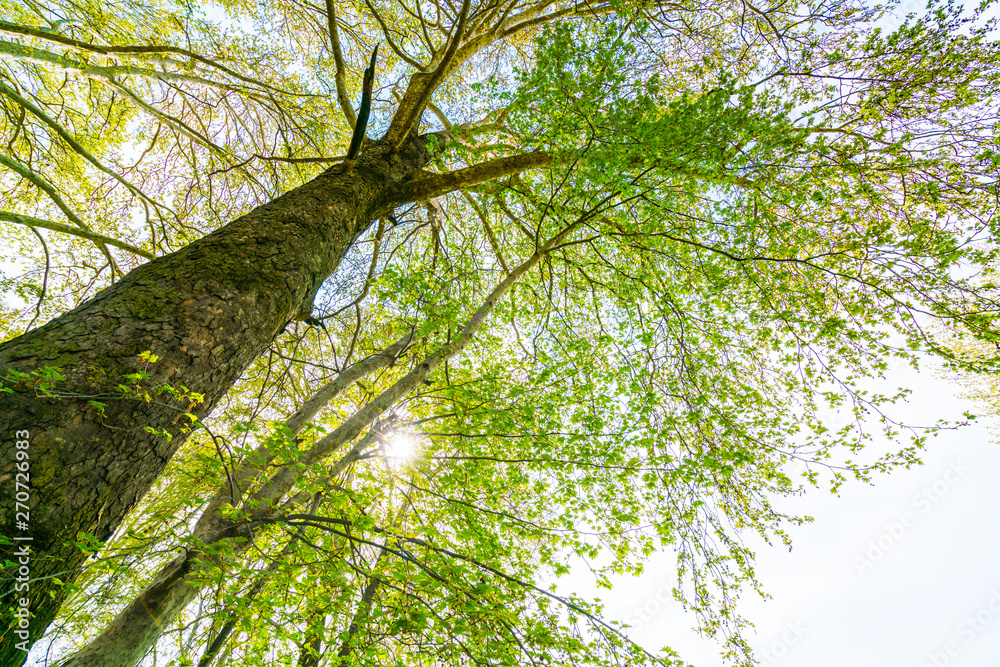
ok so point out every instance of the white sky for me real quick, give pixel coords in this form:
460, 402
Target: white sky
859, 587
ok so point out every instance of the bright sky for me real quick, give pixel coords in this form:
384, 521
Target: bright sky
902, 574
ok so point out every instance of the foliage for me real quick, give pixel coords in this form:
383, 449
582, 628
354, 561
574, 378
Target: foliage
744, 211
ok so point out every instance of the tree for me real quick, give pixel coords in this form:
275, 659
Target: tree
635, 250
974, 372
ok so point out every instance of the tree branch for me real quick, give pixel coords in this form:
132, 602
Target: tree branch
439, 184
388, 38
341, 76
16, 30
48, 189
366, 104
264, 577
440, 115
422, 86
41, 57
84, 233
74, 144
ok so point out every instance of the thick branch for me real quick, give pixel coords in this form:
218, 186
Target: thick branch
366, 105
422, 86
440, 184
63, 228
440, 115
16, 30
74, 144
338, 59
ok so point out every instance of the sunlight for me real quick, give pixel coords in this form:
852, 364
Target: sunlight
400, 447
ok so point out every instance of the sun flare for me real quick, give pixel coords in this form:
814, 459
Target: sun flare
401, 447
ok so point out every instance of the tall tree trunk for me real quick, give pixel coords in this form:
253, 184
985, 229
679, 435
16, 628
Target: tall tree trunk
220, 639
134, 630
208, 310
312, 644
361, 615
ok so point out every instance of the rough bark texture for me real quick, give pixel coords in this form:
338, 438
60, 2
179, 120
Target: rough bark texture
132, 632
139, 625
311, 650
207, 310
125, 640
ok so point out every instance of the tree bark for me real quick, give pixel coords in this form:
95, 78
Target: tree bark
139, 625
134, 630
312, 645
207, 310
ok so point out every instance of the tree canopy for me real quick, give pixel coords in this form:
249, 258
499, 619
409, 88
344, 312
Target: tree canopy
642, 251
